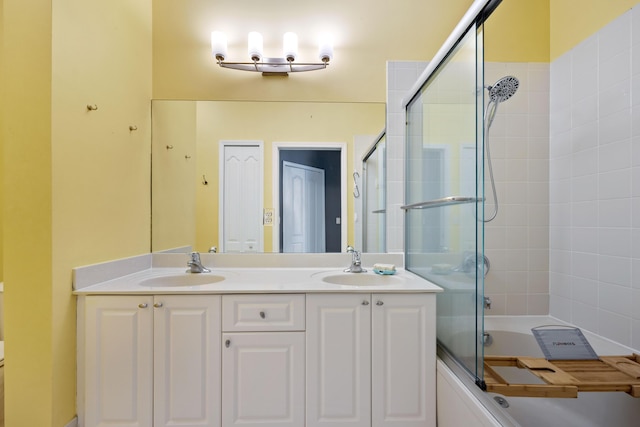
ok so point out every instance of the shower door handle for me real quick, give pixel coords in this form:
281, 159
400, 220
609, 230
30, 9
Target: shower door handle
445, 201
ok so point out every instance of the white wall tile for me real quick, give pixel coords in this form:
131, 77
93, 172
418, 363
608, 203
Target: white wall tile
585, 316
615, 327
614, 241
615, 38
615, 270
616, 299
584, 162
614, 213
584, 265
615, 98
584, 188
615, 156
584, 239
585, 291
614, 127
615, 184
583, 111
585, 214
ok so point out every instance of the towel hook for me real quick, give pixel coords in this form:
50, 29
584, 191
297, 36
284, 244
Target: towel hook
356, 190
92, 107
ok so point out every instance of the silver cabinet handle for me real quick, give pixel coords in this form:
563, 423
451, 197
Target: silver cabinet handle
379, 303
227, 343
143, 305
365, 302
157, 305
263, 315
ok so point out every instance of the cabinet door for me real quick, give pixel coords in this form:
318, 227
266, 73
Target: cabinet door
187, 360
403, 360
263, 379
118, 336
338, 360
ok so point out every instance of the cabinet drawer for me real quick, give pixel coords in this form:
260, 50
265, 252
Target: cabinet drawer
263, 312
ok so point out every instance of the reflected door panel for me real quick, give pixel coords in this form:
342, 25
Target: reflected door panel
242, 221
303, 217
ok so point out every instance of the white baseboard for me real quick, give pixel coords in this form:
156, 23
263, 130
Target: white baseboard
72, 423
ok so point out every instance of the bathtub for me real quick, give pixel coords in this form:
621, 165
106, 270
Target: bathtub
462, 403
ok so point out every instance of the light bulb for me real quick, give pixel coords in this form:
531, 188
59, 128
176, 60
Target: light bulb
325, 52
255, 46
290, 46
219, 45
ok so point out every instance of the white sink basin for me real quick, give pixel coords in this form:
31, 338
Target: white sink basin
186, 279
361, 279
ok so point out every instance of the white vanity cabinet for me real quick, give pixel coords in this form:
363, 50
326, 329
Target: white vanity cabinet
150, 361
263, 360
371, 360
257, 359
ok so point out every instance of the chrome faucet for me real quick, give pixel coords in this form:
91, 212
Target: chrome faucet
356, 263
195, 265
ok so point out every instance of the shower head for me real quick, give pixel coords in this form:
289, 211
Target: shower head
503, 89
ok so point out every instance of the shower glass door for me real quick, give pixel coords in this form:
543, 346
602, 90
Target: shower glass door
444, 228
375, 214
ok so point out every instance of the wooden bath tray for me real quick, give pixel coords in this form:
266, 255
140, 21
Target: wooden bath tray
565, 378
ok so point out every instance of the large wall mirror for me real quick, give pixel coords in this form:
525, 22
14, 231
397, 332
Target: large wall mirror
245, 176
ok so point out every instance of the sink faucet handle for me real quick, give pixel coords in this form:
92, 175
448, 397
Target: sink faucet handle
195, 257
350, 249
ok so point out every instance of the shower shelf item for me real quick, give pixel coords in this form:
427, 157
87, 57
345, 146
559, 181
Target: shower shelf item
565, 378
445, 201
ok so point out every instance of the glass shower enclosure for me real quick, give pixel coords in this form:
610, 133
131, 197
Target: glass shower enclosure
445, 196
374, 201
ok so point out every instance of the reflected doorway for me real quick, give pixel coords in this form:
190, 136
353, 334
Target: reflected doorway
303, 212
332, 208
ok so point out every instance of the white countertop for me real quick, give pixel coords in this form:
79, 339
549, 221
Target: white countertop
260, 280
268, 273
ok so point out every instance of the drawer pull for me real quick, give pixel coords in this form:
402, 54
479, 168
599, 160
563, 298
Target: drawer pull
379, 303
157, 305
263, 315
365, 302
143, 305
227, 343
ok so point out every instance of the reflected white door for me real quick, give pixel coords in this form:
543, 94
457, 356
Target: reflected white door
242, 199
303, 218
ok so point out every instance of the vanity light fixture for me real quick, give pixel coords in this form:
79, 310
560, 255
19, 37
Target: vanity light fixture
271, 66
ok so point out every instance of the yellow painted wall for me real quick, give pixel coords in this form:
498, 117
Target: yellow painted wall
76, 183
572, 21
173, 188
1, 146
366, 35
28, 234
518, 31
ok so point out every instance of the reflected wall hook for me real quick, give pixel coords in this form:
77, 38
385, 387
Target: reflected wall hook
186, 156
132, 128
92, 107
356, 190
204, 180
169, 147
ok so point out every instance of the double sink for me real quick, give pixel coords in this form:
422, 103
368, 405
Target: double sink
334, 277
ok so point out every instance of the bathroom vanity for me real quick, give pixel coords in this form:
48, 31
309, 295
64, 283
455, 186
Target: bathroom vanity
263, 346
